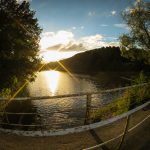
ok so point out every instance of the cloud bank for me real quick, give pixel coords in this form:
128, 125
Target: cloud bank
65, 41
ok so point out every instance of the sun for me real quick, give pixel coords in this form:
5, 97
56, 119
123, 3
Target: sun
50, 56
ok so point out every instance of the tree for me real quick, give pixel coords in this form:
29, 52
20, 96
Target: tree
19, 42
138, 20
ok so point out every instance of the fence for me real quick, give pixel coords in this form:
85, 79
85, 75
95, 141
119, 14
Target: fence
88, 125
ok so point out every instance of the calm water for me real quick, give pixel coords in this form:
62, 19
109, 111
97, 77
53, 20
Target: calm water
57, 113
64, 112
57, 83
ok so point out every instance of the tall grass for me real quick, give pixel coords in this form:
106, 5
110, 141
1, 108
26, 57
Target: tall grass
130, 99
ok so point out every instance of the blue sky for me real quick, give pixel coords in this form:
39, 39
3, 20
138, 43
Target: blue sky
82, 17
79, 25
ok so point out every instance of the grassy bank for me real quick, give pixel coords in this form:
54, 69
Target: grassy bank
130, 99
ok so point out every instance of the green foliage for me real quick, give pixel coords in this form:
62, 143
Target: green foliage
141, 78
137, 55
139, 94
117, 107
131, 98
19, 43
5, 92
103, 113
122, 104
138, 40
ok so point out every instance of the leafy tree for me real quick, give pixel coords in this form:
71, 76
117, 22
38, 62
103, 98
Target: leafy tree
19, 42
138, 20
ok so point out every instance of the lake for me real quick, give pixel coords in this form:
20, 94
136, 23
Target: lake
62, 112
50, 83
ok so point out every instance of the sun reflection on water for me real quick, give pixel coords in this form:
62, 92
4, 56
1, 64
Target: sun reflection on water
52, 78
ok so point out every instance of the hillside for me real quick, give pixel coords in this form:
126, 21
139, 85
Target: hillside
102, 59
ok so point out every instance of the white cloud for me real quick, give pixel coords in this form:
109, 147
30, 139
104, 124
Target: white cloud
95, 41
82, 27
104, 25
50, 38
74, 28
113, 13
91, 42
77, 28
91, 13
65, 41
112, 38
113, 44
121, 25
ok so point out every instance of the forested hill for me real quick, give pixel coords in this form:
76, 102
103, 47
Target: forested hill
101, 59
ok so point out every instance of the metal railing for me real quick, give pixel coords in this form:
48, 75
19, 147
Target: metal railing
88, 104
73, 95
126, 127
85, 127
91, 127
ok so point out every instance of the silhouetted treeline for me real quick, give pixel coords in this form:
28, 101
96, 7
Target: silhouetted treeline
19, 45
101, 59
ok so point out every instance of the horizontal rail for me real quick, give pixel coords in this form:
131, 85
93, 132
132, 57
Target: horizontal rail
30, 113
104, 143
76, 129
13, 113
120, 135
73, 95
22, 125
138, 124
47, 113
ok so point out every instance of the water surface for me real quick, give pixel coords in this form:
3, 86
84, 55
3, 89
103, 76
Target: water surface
50, 83
62, 112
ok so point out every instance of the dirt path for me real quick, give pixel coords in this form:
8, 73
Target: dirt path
139, 139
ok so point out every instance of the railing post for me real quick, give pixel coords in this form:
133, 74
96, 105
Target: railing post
124, 133
88, 107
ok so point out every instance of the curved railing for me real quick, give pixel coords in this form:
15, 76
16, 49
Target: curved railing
76, 129
74, 95
87, 124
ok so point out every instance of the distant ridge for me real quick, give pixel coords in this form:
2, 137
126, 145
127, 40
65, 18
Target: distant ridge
101, 59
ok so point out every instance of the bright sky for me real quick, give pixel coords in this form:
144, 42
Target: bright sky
78, 25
